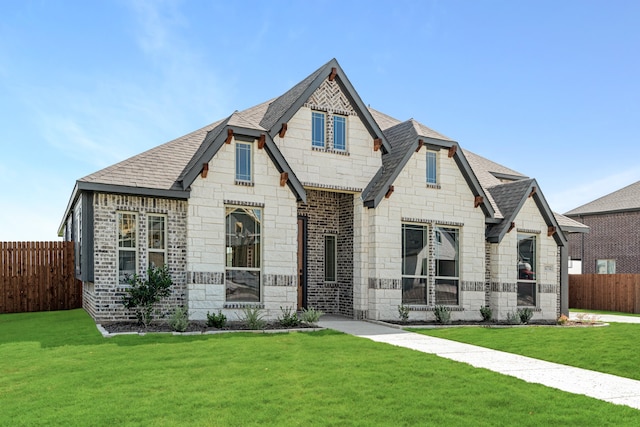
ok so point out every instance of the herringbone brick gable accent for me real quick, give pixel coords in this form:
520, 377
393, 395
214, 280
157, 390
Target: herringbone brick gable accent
329, 97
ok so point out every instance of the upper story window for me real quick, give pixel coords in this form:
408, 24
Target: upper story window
317, 129
432, 167
127, 245
243, 162
527, 262
340, 133
157, 240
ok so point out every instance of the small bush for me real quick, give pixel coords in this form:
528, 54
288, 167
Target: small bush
216, 320
513, 318
562, 320
525, 315
487, 313
403, 312
179, 320
289, 318
253, 318
144, 292
443, 314
311, 316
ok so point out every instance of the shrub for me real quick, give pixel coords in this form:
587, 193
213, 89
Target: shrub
144, 292
487, 313
443, 314
216, 320
311, 315
289, 318
562, 320
525, 315
403, 312
179, 319
513, 318
253, 318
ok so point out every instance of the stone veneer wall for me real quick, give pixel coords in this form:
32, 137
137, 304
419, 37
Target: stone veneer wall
329, 213
102, 297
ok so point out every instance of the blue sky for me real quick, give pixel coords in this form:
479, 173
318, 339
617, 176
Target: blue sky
548, 88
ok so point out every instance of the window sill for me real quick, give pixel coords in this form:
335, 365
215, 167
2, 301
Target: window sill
243, 305
244, 183
330, 150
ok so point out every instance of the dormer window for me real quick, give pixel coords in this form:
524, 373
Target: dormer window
243, 163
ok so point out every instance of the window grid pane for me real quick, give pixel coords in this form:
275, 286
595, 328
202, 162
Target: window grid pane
431, 167
447, 263
414, 264
317, 129
339, 133
527, 267
243, 254
243, 161
157, 240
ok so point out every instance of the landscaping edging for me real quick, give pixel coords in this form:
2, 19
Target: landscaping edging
107, 334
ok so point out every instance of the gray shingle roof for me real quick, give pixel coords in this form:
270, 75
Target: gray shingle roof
625, 199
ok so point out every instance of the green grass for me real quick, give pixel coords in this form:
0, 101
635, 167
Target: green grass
611, 349
616, 313
56, 369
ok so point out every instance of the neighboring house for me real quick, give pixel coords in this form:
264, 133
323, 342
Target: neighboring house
613, 243
314, 200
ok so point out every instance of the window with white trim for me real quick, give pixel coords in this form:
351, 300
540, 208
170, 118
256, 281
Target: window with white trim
527, 267
243, 161
157, 240
415, 248
127, 245
243, 254
432, 167
330, 258
318, 121
447, 264
606, 266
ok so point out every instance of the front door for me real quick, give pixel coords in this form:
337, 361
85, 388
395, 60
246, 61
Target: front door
302, 263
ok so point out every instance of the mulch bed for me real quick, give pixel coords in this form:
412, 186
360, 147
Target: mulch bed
194, 326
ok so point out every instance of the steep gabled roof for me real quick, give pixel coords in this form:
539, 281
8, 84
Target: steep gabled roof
623, 200
510, 198
404, 138
285, 106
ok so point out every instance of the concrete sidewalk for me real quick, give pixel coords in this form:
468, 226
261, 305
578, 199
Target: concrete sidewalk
609, 318
610, 388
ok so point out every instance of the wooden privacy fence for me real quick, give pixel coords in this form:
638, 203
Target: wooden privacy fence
38, 276
611, 292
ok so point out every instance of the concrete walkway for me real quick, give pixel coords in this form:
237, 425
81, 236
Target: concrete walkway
609, 318
610, 388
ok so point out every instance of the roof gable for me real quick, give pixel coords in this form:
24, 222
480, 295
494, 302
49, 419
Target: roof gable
510, 198
405, 139
285, 106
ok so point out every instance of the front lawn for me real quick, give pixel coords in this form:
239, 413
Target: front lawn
57, 370
610, 349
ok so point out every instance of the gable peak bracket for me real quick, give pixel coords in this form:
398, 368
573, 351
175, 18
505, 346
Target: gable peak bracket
420, 144
283, 130
377, 143
389, 192
551, 231
333, 74
452, 150
229, 136
261, 141
511, 227
478, 201
284, 177
533, 191
205, 170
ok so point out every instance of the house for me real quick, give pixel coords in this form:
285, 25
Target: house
613, 243
312, 199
